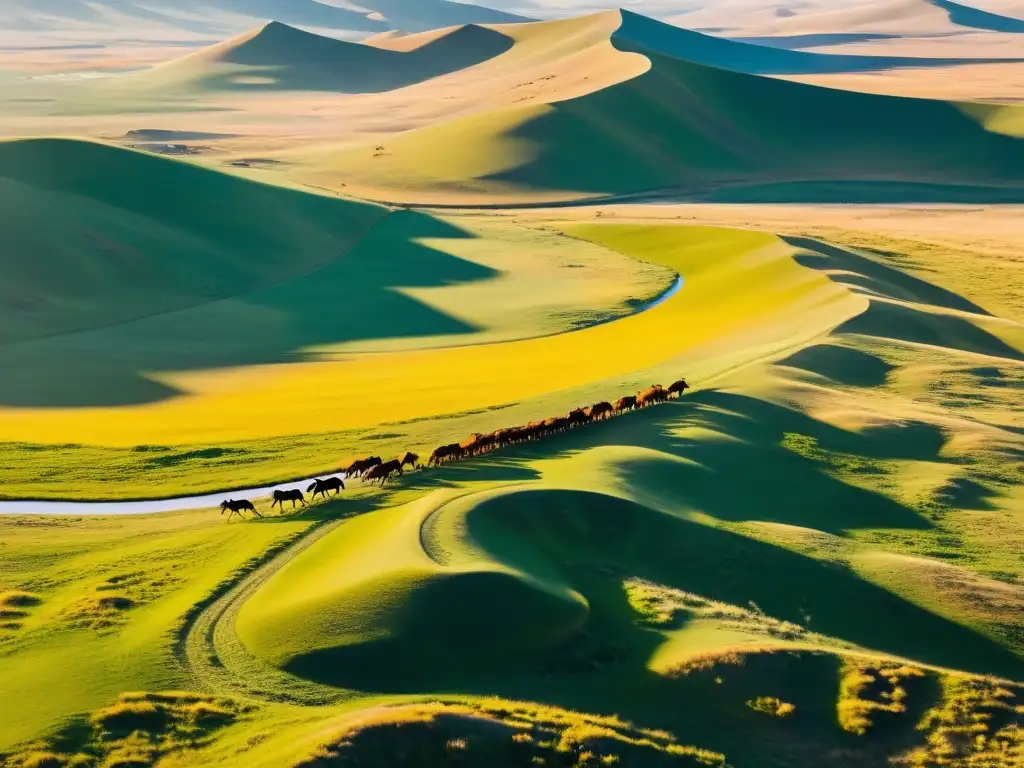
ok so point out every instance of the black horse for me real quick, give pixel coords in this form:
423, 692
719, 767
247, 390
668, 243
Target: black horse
233, 507
319, 486
295, 495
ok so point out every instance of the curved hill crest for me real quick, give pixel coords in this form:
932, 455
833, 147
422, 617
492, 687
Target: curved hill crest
699, 48
694, 128
280, 57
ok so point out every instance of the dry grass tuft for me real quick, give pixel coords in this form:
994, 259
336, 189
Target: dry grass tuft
977, 724
136, 731
706, 662
661, 606
501, 734
770, 705
869, 688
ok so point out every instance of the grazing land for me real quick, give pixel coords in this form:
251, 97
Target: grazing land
478, 244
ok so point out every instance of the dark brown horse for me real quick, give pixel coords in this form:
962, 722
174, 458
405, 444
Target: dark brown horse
383, 472
294, 496
678, 387
410, 460
444, 454
321, 487
359, 467
599, 411
479, 443
578, 417
233, 507
627, 403
656, 394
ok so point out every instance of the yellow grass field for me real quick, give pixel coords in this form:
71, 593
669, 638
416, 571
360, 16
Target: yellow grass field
770, 299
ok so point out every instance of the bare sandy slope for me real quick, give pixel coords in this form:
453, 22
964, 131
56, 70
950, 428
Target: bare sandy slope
102, 35
519, 65
547, 62
883, 23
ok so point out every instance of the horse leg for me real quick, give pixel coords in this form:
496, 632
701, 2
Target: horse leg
256, 512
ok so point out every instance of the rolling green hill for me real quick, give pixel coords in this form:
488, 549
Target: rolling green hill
94, 235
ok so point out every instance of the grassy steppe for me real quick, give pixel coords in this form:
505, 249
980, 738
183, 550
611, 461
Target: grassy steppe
95, 236
817, 549
361, 398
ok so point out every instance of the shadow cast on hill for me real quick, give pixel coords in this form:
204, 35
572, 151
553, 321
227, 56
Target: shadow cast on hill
965, 16
647, 35
851, 268
888, 317
589, 543
356, 296
682, 129
843, 365
857, 191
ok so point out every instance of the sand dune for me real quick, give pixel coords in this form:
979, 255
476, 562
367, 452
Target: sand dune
720, 52
120, 24
691, 128
280, 57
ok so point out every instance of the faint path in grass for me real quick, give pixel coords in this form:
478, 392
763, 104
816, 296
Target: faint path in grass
214, 656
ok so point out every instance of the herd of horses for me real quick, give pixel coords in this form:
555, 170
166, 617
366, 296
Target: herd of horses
374, 469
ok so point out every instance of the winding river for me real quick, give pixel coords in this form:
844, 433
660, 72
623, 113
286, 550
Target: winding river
204, 501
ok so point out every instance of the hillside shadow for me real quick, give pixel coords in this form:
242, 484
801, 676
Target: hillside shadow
357, 296
843, 365
849, 189
283, 58
589, 543
887, 320
886, 316
850, 268
648, 35
688, 129
976, 18
736, 466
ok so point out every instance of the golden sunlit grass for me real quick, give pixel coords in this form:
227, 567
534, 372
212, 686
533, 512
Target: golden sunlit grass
769, 295
771, 705
499, 733
138, 730
868, 689
978, 722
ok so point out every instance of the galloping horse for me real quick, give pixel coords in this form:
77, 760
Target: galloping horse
319, 486
295, 495
384, 471
627, 403
359, 467
410, 459
656, 394
237, 508
445, 453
